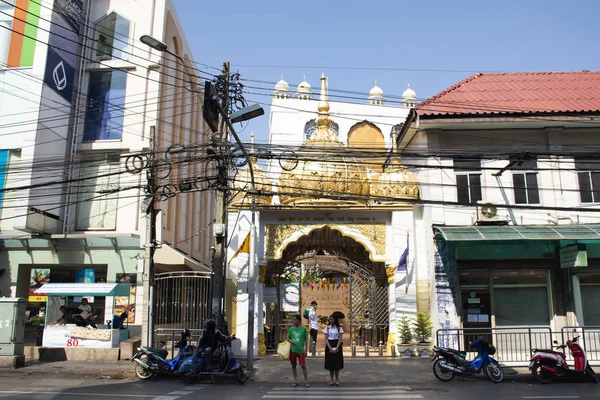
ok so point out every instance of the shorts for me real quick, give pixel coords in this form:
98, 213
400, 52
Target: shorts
300, 357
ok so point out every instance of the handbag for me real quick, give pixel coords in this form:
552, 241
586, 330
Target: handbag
283, 350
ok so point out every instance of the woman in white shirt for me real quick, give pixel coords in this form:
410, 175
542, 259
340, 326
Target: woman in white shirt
334, 357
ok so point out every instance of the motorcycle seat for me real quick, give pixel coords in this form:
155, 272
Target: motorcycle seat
159, 352
450, 352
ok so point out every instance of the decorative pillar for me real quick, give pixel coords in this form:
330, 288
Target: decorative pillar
391, 339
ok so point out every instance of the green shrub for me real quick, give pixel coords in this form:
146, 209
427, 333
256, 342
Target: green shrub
406, 334
36, 321
422, 327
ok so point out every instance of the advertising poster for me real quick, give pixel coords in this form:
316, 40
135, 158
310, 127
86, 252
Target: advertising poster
64, 47
125, 303
73, 336
38, 277
290, 297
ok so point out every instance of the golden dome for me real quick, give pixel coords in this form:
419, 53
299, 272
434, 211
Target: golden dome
396, 182
323, 167
242, 184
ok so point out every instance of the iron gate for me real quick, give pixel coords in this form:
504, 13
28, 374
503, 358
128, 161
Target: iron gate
182, 299
368, 316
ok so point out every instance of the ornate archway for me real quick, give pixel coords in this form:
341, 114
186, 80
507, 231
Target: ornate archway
327, 261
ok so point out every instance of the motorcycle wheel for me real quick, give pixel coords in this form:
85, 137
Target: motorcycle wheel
240, 375
541, 376
141, 372
494, 371
444, 376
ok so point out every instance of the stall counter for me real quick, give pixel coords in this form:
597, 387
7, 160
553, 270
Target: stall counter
75, 336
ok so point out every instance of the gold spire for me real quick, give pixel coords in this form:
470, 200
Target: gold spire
323, 120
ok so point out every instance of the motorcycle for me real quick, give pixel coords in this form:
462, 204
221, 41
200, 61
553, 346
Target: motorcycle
547, 364
151, 362
223, 362
447, 363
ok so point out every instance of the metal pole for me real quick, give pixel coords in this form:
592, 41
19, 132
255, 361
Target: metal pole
252, 261
148, 275
218, 261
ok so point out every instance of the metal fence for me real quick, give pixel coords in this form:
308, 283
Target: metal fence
168, 338
514, 345
590, 340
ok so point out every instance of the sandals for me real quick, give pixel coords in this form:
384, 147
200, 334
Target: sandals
294, 384
337, 384
331, 384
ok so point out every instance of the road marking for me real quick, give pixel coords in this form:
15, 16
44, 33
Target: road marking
345, 392
180, 393
344, 396
140, 396
354, 389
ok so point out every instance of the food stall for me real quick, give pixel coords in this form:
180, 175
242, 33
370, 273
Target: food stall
71, 333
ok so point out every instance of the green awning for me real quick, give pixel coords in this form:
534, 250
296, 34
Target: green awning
518, 232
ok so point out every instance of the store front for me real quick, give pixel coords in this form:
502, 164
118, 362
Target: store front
522, 276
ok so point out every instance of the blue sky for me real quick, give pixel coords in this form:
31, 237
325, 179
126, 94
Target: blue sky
429, 44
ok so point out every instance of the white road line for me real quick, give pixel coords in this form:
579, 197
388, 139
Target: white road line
15, 392
166, 397
180, 393
338, 391
344, 387
307, 395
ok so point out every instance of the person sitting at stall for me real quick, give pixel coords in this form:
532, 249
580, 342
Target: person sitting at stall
117, 321
63, 319
86, 313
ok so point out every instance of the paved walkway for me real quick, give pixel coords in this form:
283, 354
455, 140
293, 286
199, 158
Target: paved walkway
269, 369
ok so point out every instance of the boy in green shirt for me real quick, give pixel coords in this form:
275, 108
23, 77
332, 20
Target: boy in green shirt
298, 337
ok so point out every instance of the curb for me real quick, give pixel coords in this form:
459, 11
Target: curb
69, 372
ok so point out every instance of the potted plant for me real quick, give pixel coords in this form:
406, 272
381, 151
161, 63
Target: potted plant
422, 328
405, 347
323, 321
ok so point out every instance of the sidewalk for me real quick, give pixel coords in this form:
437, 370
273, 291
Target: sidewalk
270, 369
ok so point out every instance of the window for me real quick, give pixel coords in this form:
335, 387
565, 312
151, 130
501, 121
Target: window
525, 183
95, 208
106, 106
111, 38
468, 180
521, 297
311, 126
590, 295
588, 174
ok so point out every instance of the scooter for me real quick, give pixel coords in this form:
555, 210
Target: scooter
545, 365
447, 363
223, 362
151, 362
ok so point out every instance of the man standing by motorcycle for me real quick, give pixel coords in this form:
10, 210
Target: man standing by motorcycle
207, 343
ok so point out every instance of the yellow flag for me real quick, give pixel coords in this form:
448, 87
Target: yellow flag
244, 248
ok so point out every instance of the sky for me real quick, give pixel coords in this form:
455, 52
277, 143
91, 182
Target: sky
429, 44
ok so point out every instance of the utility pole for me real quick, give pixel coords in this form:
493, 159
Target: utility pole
150, 246
219, 258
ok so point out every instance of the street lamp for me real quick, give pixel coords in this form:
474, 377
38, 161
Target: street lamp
163, 48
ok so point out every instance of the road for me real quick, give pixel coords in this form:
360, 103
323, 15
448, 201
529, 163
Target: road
65, 388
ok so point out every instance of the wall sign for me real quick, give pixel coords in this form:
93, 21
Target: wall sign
572, 256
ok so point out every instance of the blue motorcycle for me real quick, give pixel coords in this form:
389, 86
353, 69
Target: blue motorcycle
223, 362
152, 362
447, 363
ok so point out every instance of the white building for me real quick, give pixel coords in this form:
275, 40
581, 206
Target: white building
77, 96
323, 211
510, 197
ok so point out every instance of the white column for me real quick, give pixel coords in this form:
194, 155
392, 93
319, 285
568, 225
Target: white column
242, 321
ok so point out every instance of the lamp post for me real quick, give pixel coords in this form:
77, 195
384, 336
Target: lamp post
241, 115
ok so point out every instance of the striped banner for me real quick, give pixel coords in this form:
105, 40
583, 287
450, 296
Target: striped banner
24, 33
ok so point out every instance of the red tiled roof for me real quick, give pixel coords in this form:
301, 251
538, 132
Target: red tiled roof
517, 93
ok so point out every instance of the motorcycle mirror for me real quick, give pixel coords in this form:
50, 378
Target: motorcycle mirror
555, 341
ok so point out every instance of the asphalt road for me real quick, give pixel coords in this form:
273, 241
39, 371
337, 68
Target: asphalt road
65, 388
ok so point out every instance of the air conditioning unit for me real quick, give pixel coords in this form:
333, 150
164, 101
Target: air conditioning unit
487, 213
